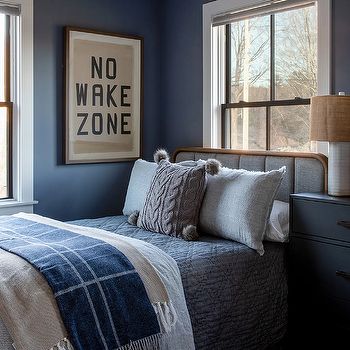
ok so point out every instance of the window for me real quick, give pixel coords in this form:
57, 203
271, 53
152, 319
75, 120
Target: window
265, 60
16, 106
5, 109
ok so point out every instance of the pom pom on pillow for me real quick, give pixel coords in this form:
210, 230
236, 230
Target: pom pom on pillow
212, 166
160, 154
132, 219
189, 233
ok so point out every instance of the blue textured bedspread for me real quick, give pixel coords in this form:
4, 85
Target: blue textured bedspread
92, 281
236, 298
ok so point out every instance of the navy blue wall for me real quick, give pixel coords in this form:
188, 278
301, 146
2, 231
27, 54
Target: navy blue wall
181, 74
173, 91
76, 191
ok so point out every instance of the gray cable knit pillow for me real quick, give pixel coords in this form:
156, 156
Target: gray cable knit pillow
139, 183
174, 198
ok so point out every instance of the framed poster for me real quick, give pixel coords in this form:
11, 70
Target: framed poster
103, 96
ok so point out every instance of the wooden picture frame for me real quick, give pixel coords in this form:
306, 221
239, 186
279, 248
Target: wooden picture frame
103, 97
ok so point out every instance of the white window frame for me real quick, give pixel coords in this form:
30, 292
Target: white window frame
213, 82
22, 95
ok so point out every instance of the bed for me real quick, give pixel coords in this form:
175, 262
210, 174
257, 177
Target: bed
236, 298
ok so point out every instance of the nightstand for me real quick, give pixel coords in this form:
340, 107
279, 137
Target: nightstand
319, 271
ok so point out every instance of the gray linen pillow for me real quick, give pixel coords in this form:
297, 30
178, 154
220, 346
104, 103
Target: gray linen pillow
139, 183
173, 200
237, 205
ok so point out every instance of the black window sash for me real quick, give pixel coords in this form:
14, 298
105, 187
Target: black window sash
258, 104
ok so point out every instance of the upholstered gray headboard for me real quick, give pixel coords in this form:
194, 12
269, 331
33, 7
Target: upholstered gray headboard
306, 172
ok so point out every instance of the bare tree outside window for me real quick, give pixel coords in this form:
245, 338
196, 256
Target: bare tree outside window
250, 71
272, 58
296, 76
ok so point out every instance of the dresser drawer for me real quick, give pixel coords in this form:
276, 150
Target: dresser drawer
321, 219
320, 269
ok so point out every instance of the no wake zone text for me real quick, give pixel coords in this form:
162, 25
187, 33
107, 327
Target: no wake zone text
110, 95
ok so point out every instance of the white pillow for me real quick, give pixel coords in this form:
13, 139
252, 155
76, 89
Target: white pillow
237, 205
278, 226
139, 184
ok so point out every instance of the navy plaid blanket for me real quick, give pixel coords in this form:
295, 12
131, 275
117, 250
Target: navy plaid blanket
101, 298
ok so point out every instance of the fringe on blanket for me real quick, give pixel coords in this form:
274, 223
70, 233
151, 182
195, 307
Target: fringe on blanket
149, 343
166, 315
64, 344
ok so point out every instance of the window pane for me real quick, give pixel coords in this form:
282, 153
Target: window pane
248, 128
2, 56
250, 59
290, 127
296, 53
4, 161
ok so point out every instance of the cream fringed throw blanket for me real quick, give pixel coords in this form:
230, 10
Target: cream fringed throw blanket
29, 309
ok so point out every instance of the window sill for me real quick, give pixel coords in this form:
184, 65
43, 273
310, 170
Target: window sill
12, 206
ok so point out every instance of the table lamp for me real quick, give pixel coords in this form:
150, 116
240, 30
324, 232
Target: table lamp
330, 121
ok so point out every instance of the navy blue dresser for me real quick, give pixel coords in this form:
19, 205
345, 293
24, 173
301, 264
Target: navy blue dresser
319, 271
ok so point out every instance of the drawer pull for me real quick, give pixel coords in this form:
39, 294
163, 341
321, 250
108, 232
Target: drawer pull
343, 274
344, 223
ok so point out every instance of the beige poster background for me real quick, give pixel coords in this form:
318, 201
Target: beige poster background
98, 70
